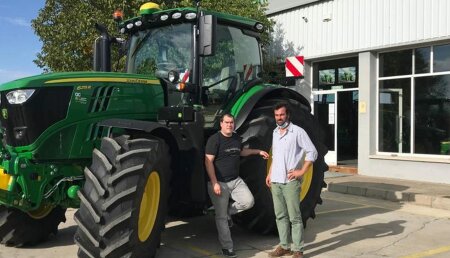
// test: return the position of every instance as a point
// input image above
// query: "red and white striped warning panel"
(294, 66)
(248, 71)
(185, 76)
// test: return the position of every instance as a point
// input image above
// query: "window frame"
(412, 78)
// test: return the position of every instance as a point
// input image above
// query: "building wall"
(336, 27)
(330, 29)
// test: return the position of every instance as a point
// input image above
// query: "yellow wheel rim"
(41, 212)
(306, 180)
(269, 162)
(149, 206)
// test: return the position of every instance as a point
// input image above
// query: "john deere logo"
(5, 113)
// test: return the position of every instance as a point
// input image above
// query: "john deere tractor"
(128, 148)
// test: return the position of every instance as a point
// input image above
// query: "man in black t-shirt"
(222, 158)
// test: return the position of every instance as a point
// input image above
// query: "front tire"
(124, 199)
(257, 134)
(18, 228)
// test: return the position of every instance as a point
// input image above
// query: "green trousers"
(286, 202)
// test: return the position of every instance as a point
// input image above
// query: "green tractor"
(128, 148)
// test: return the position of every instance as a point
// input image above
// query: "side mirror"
(207, 27)
(123, 45)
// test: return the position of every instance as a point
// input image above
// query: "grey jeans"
(243, 200)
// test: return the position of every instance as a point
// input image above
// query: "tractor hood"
(54, 79)
(37, 110)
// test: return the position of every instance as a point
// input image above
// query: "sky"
(18, 43)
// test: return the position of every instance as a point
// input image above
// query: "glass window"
(422, 60)
(394, 115)
(347, 74)
(327, 77)
(432, 115)
(161, 50)
(336, 74)
(431, 97)
(395, 63)
(236, 61)
(441, 56)
(237, 55)
(156, 51)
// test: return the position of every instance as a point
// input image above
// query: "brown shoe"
(280, 251)
(297, 254)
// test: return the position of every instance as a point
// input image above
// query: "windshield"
(161, 50)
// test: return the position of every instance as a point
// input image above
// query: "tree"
(66, 27)
(275, 53)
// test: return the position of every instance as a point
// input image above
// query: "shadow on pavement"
(333, 227)
(336, 212)
(63, 238)
(197, 237)
(351, 235)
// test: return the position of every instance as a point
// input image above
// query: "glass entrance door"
(337, 112)
(325, 111)
(335, 90)
(347, 128)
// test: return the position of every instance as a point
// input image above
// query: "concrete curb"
(438, 202)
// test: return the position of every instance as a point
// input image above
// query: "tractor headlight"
(190, 16)
(164, 17)
(176, 16)
(259, 27)
(18, 96)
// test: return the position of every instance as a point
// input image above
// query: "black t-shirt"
(227, 151)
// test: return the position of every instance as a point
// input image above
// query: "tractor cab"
(203, 59)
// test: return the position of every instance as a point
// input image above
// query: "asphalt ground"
(345, 226)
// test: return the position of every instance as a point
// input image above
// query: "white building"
(378, 74)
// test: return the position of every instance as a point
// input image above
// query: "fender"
(150, 127)
(268, 92)
(185, 141)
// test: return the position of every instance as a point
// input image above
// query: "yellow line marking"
(195, 249)
(104, 79)
(346, 209)
(202, 251)
(429, 252)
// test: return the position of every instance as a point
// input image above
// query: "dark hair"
(282, 105)
(224, 115)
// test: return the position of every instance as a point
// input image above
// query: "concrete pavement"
(345, 226)
(405, 191)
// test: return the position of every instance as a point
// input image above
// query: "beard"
(282, 123)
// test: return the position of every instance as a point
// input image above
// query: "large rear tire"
(257, 133)
(124, 199)
(18, 228)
